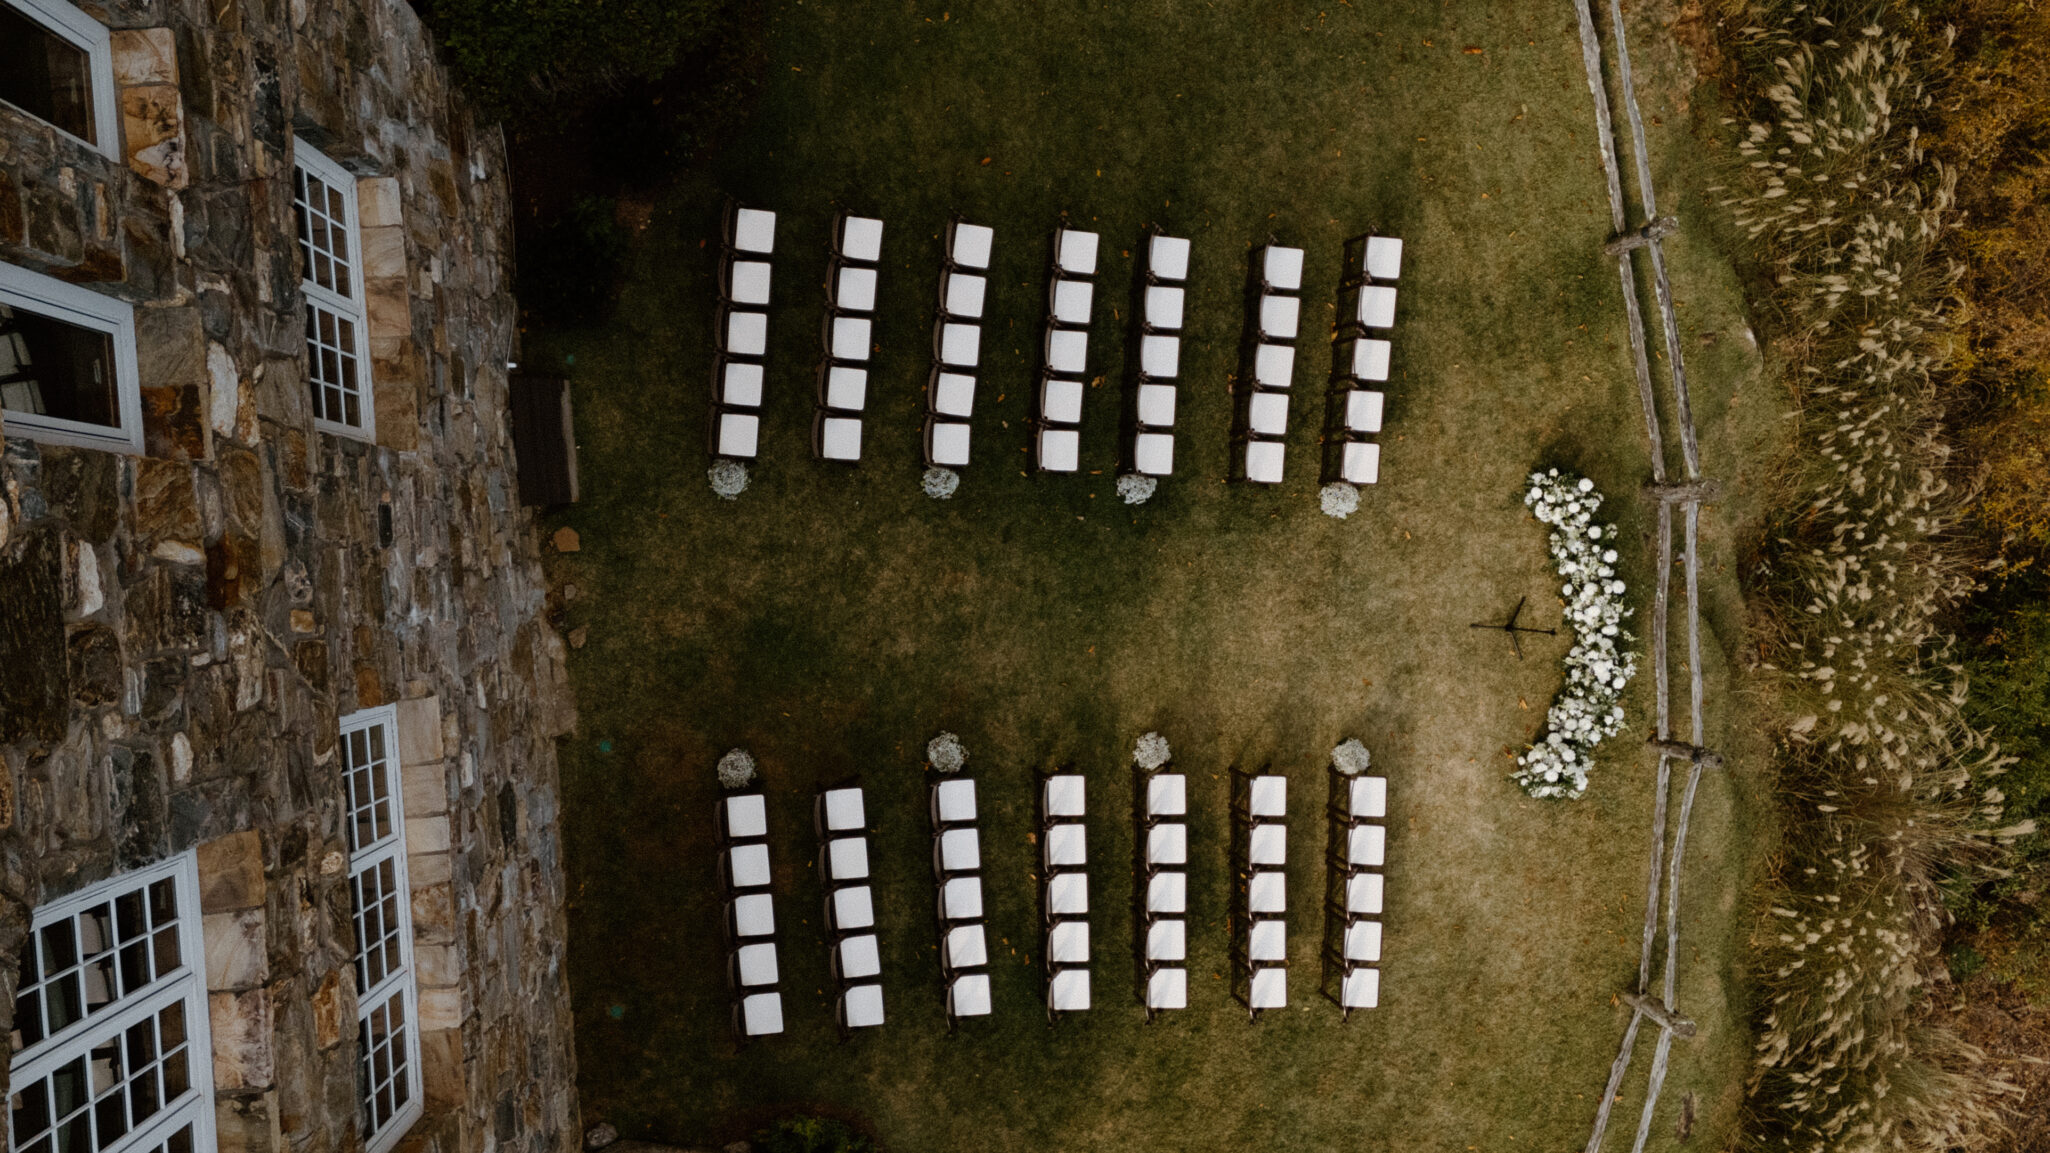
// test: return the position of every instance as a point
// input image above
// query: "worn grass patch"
(831, 620)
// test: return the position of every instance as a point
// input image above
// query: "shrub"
(516, 56)
(2008, 660)
(569, 271)
(811, 1135)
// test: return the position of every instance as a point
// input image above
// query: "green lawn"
(832, 620)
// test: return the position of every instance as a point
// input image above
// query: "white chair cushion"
(748, 866)
(1267, 892)
(844, 810)
(1268, 989)
(954, 800)
(953, 394)
(754, 915)
(1267, 942)
(1156, 405)
(1376, 306)
(1072, 300)
(966, 947)
(971, 245)
(960, 345)
(854, 290)
(1067, 943)
(1367, 797)
(1268, 845)
(1060, 400)
(1384, 257)
(846, 387)
(1065, 795)
(859, 956)
(968, 996)
(1153, 454)
(1267, 414)
(1168, 258)
(1363, 410)
(1164, 307)
(1281, 267)
(1279, 317)
(960, 850)
(1067, 895)
(1267, 796)
(1167, 843)
(853, 908)
(1366, 846)
(964, 295)
(1274, 365)
(861, 238)
(738, 432)
(1368, 359)
(1075, 252)
(757, 964)
(747, 333)
(1362, 989)
(1360, 464)
(1068, 991)
(747, 815)
(851, 337)
(1067, 350)
(949, 444)
(861, 1006)
(1060, 449)
(1263, 461)
(1167, 795)
(1160, 357)
(1168, 989)
(1167, 894)
(847, 858)
(1167, 940)
(747, 282)
(1363, 894)
(740, 384)
(1363, 941)
(754, 230)
(761, 1014)
(1067, 846)
(961, 897)
(840, 438)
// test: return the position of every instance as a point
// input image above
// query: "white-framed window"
(112, 1053)
(67, 362)
(388, 1038)
(337, 332)
(57, 65)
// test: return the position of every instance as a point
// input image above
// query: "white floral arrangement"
(1351, 758)
(1136, 489)
(729, 479)
(736, 769)
(945, 753)
(1600, 664)
(1339, 499)
(940, 483)
(1151, 752)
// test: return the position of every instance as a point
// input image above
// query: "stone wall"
(180, 630)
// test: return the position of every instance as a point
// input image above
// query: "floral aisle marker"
(945, 753)
(1339, 499)
(729, 479)
(1351, 757)
(940, 483)
(737, 769)
(1137, 489)
(1600, 663)
(1151, 752)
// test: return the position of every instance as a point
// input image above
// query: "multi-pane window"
(110, 1042)
(388, 1039)
(337, 343)
(67, 362)
(56, 64)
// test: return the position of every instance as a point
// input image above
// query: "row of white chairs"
(1064, 374)
(957, 865)
(1262, 960)
(1360, 808)
(1276, 321)
(841, 819)
(1165, 900)
(957, 344)
(1064, 865)
(743, 332)
(751, 967)
(849, 336)
(1366, 306)
(1162, 305)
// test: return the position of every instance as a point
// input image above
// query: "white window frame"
(48, 296)
(97, 42)
(354, 307)
(400, 980)
(187, 983)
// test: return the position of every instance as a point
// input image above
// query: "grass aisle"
(832, 620)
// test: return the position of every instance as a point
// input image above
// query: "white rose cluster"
(940, 483)
(1351, 757)
(1136, 489)
(946, 753)
(1601, 662)
(729, 479)
(736, 769)
(1151, 752)
(1339, 499)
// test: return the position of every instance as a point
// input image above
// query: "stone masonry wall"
(180, 630)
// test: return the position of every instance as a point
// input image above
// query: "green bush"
(520, 56)
(812, 1135)
(2007, 654)
(569, 269)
